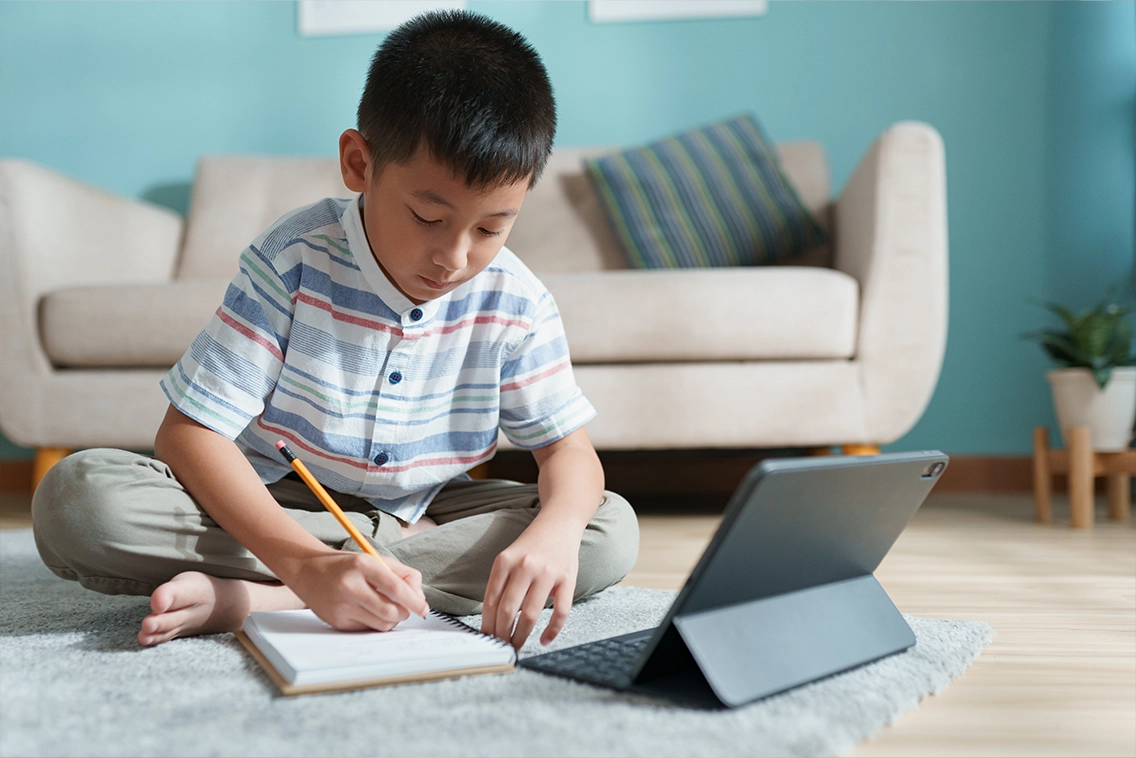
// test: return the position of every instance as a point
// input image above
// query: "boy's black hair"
(471, 90)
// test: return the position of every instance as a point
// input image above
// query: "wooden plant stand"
(1082, 465)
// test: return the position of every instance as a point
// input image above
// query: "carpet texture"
(73, 681)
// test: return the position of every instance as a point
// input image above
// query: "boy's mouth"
(435, 285)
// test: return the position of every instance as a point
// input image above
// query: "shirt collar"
(377, 278)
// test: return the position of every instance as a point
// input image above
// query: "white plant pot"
(1109, 413)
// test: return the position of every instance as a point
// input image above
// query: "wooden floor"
(1060, 677)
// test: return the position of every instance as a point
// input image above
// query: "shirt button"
(382, 458)
(395, 378)
(416, 314)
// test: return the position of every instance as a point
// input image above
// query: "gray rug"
(73, 681)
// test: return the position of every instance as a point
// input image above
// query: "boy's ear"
(354, 160)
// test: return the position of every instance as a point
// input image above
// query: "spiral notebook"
(302, 654)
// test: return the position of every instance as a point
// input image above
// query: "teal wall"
(1034, 100)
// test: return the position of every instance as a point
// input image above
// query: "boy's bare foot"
(420, 525)
(195, 603)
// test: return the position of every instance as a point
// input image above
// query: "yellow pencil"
(331, 505)
(328, 503)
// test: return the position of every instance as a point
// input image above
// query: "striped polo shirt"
(380, 398)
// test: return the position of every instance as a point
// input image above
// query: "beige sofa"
(101, 294)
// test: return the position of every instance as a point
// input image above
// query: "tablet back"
(798, 523)
(784, 593)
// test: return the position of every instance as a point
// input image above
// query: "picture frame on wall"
(319, 18)
(613, 11)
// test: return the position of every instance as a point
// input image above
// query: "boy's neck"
(371, 250)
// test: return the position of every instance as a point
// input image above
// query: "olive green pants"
(120, 523)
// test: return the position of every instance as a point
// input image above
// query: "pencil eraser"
(280, 445)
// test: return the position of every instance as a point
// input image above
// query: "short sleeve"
(225, 378)
(540, 402)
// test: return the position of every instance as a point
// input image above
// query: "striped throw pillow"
(713, 196)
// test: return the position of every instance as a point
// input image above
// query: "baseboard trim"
(987, 473)
(15, 476)
(999, 473)
(712, 474)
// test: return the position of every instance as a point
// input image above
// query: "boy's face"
(428, 231)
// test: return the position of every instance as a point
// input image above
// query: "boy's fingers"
(381, 617)
(408, 574)
(412, 600)
(412, 577)
(492, 596)
(530, 612)
(511, 600)
(395, 588)
(348, 625)
(561, 605)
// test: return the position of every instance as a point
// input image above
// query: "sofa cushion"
(724, 314)
(236, 197)
(713, 196)
(126, 326)
(769, 313)
(561, 228)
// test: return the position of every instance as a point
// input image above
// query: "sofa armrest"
(57, 232)
(891, 235)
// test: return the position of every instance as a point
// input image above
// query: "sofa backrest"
(561, 228)
(236, 197)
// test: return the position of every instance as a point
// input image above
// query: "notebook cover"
(358, 684)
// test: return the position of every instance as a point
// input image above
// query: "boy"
(385, 339)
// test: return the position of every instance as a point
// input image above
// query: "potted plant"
(1096, 386)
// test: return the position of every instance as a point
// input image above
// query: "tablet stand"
(759, 648)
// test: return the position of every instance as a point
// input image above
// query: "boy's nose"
(453, 256)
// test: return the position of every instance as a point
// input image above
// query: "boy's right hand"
(354, 592)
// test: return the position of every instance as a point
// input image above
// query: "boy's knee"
(78, 505)
(610, 546)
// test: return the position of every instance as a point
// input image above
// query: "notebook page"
(306, 650)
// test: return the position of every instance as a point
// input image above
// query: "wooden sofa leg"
(45, 458)
(857, 449)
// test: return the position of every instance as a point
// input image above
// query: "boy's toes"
(163, 627)
(158, 623)
(175, 605)
(155, 630)
(192, 603)
(151, 640)
(162, 599)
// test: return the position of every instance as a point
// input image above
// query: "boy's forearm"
(224, 484)
(570, 485)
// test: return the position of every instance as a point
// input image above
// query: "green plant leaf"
(1063, 349)
(1119, 349)
(1125, 346)
(1098, 339)
(1094, 334)
(1072, 321)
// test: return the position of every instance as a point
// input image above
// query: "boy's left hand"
(542, 562)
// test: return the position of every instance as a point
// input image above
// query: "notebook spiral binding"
(452, 621)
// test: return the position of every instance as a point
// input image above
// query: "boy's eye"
(488, 233)
(421, 220)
